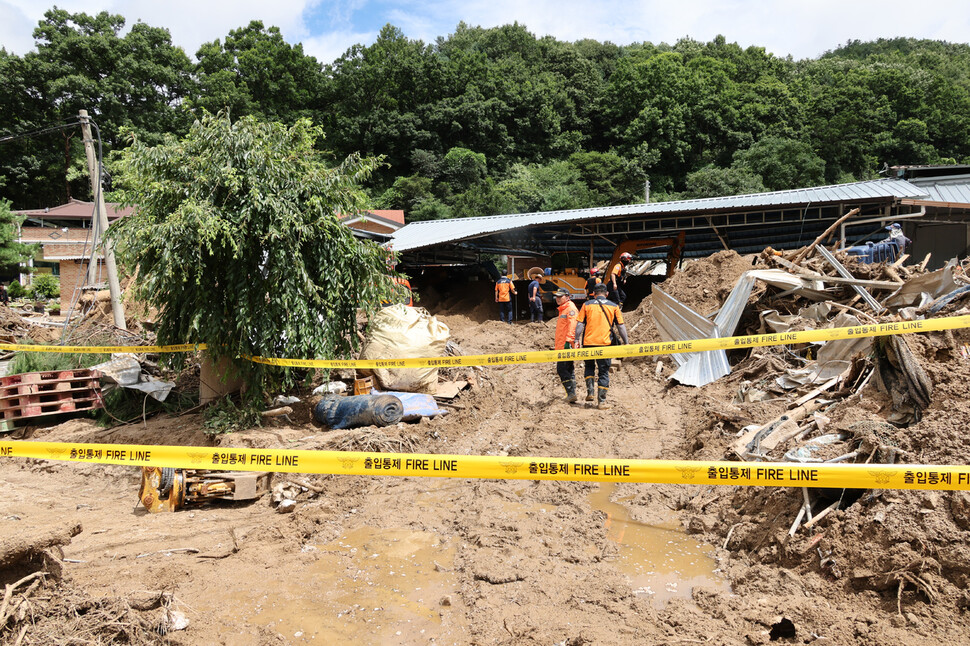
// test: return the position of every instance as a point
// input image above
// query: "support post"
(94, 170)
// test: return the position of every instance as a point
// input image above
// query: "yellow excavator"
(570, 270)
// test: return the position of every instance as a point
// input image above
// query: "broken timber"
(756, 443)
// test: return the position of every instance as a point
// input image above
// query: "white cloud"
(191, 22)
(16, 28)
(328, 47)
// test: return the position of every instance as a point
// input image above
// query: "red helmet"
(626, 256)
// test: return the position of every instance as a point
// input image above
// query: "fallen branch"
(305, 485)
(8, 593)
(822, 514)
(804, 253)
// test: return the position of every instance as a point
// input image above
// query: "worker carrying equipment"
(594, 328)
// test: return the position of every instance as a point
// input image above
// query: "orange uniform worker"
(566, 340)
(617, 280)
(504, 291)
(593, 327)
(593, 281)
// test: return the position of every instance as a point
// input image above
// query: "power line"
(37, 133)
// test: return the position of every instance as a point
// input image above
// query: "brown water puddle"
(662, 562)
(370, 586)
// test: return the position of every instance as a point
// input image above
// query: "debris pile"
(858, 400)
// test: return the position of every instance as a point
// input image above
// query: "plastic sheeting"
(125, 370)
(417, 405)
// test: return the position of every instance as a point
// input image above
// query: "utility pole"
(101, 225)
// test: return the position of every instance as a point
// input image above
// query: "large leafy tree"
(134, 81)
(254, 71)
(238, 241)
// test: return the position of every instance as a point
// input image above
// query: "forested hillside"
(487, 121)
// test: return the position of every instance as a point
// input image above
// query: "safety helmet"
(626, 256)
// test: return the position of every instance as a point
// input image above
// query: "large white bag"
(402, 332)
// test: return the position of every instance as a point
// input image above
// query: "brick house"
(64, 235)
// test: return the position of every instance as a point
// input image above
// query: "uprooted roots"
(64, 615)
(913, 575)
(373, 441)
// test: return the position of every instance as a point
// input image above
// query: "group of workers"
(592, 326)
(598, 323)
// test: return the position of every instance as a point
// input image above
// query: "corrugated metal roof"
(955, 190)
(418, 235)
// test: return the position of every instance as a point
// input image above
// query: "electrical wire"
(37, 133)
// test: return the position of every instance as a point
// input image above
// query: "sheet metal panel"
(418, 235)
(951, 191)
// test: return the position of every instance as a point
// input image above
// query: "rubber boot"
(570, 386)
(590, 389)
(603, 404)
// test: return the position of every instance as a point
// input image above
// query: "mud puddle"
(662, 562)
(370, 586)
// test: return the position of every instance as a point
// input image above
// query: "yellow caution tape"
(102, 349)
(760, 474)
(637, 349)
(547, 356)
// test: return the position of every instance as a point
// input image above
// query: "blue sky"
(802, 29)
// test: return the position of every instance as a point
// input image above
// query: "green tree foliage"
(782, 163)
(239, 245)
(132, 82)
(12, 252)
(713, 182)
(535, 109)
(256, 72)
(44, 286)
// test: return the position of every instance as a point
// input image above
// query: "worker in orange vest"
(504, 291)
(401, 293)
(566, 340)
(594, 327)
(593, 281)
(617, 281)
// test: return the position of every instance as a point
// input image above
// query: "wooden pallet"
(35, 394)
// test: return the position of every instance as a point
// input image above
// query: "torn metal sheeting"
(922, 290)
(125, 370)
(730, 313)
(834, 358)
(677, 322)
(844, 349)
(774, 321)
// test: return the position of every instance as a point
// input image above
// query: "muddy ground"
(373, 560)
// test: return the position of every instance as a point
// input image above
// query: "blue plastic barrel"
(359, 410)
(872, 252)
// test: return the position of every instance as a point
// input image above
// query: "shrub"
(44, 286)
(16, 290)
